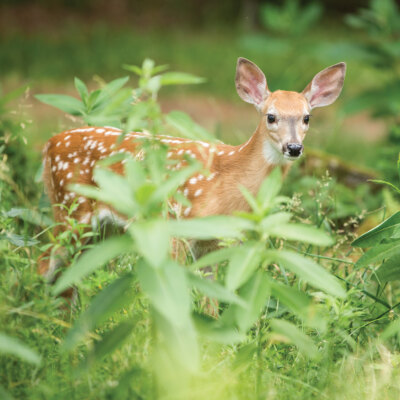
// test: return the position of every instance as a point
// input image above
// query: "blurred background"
(46, 43)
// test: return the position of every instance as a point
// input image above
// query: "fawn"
(70, 156)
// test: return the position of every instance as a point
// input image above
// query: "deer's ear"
(326, 86)
(251, 84)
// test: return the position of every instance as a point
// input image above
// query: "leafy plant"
(144, 194)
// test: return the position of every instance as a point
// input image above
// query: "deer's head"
(285, 115)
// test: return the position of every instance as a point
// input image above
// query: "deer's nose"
(294, 149)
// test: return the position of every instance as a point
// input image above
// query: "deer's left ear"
(251, 84)
(326, 86)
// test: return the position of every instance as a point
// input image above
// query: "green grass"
(352, 361)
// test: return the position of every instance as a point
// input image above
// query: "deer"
(277, 142)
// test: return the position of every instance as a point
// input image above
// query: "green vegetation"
(306, 285)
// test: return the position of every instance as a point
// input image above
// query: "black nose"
(294, 149)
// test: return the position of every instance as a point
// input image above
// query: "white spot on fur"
(100, 130)
(198, 192)
(220, 153)
(187, 211)
(62, 182)
(186, 192)
(67, 144)
(212, 176)
(69, 175)
(57, 157)
(193, 181)
(231, 153)
(76, 160)
(67, 137)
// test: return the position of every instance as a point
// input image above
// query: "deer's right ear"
(251, 84)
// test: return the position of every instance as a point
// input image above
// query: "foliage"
(295, 314)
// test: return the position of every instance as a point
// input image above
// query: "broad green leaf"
(254, 293)
(68, 104)
(31, 216)
(382, 231)
(187, 127)
(133, 68)
(180, 78)
(213, 289)
(242, 264)
(111, 341)
(93, 259)
(114, 191)
(168, 291)
(295, 336)
(176, 179)
(379, 253)
(302, 233)
(152, 240)
(392, 329)
(270, 188)
(82, 90)
(213, 227)
(299, 303)
(213, 258)
(10, 345)
(108, 91)
(389, 271)
(270, 221)
(19, 240)
(251, 200)
(111, 299)
(308, 270)
(216, 332)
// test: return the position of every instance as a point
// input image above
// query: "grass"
(352, 361)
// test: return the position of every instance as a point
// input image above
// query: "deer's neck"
(254, 160)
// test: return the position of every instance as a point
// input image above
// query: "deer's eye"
(306, 119)
(271, 118)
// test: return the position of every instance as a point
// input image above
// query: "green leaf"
(272, 220)
(111, 341)
(382, 231)
(10, 345)
(379, 253)
(213, 289)
(308, 270)
(108, 91)
(389, 271)
(152, 240)
(68, 104)
(302, 233)
(187, 127)
(133, 68)
(213, 227)
(82, 90)
(176, 179)
(392, 329)
(242, 264)
(180, 78)
(91, 260)
(395, 188)
(213, 258)
(270, 188)
(31, 216)
(216, 332)
(19, 240)
(295, 336)
(111, 299)
(299, 303)
(167, 289)
(254, 293)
